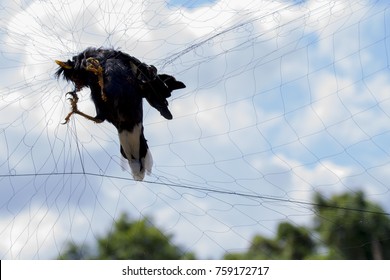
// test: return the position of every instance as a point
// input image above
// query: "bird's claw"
(93, 65)
(73, 102)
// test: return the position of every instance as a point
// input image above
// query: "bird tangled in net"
(118, 84)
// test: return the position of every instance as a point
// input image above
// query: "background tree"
(75, 252)
(128, 240)
(290, 242)
(352, 227)
(346, 226)
(295, 242)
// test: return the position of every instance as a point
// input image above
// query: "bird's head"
(65, 68)
(75, 71)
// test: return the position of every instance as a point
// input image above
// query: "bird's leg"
(73, 102)
(94, 66)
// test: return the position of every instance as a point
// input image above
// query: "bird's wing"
(155, 88)
(158, 90)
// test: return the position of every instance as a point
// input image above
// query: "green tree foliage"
(130, 240)
(352, 227)
(295, 242)
(290, 242)
(346, 226)
(75, 252)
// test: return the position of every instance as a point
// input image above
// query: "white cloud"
(30, 234)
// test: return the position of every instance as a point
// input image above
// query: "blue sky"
(190, 3)
(282, 101)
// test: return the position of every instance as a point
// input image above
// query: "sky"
(284, 100)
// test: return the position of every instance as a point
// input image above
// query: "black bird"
(118, 83)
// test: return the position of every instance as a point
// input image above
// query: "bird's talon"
(93, 65)
(73, 103)
(67, 118)
(75, 110)
(73, 93)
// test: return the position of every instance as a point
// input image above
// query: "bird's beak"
(63, 64)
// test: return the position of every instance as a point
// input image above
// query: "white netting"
(283, 100)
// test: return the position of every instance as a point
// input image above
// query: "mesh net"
(284, 100)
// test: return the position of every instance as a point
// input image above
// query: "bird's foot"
(73, 102)
(93, 65)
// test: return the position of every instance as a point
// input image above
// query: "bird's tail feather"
(135, 149)
(138, 167)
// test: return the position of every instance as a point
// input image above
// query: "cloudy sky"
(284, 100)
